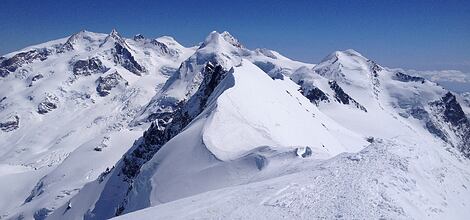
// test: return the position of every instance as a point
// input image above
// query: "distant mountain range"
(94, 126)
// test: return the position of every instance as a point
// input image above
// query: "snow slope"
(385, 180)
(222, 131)
(63, 118)
(220, 127)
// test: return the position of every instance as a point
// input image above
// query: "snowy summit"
(99, 126)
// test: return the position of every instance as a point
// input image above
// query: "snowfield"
(97, 126)
(385, 180)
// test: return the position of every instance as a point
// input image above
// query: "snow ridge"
(221, 131)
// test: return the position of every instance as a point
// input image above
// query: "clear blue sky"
(426, 34)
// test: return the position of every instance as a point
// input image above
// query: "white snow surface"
(49, 150)
(283, 118)
(260, 149)
(386, 180)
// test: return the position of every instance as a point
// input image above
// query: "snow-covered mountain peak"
(348, 66)
(138, 37)
(170, 41)
(159, 122)
(342, 55)
(114, 33)
(83, 40)
(351, 52)
(348, 58)
(113, 37)
(221, 40)
(231, 39)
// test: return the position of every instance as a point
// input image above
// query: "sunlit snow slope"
(95, 126)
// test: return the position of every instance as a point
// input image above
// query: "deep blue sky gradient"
(423, 35)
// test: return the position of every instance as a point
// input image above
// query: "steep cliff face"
(452, 118)
(114, 199)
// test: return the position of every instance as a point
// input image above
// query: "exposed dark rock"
(231, 40)
(124, 57)
(212, 74)
(370, 139)
(104, 174)
(10, 124)
(139, 37)
(42, 214)
(344, 98)
(12, 64)
(451, 112)
(267, 53)
(160, 131)
(407, 78)
(272, 70)
(303, 152)
(88, 67)
(163, 129)
(4, 72)
(69, 44)
(265, 66)
(435, 130)
(37, 190)
(166, 108)
(106, 83)
(260, 161)
(418, 113)
(307, 153)
(35, 78)
(421, 114)
(278, 73)
(48, 104)
(374, 68)
(314, 94)
(163, 48)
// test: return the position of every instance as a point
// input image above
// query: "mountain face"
(222, 131)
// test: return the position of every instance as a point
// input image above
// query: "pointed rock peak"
(114, 37)
(114, 33)
(217, 38)
(138, 37)
(230, 39)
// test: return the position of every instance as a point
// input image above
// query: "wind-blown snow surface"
(385, 180)
(234, 133)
